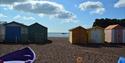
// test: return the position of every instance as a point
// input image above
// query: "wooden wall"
(2, 33)
(78, 36)
(96, 35)
(37, 33)
(114, 36)
(24, 31)
(108, 36)
(124, 36)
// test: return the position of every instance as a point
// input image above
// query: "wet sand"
(61, 51)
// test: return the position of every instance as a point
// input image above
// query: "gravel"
(61, 51)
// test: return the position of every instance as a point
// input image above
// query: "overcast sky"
(60, 15)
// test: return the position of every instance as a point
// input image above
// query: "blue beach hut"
(15, 32)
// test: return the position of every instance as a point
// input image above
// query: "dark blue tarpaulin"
(25, 55)
(121, 60)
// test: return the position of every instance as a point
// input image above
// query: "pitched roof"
(96, 27)
(2, 22)
(117, 26)
(16, 23)
(38, 24)
(79, 27)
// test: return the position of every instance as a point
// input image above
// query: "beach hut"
(16, 32)
(114, 34)
(124, 35)
(78, 35)
(2, 32)
(37, 33)
(96, 35)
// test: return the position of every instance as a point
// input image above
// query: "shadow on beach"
(27, 43)
(93, 45)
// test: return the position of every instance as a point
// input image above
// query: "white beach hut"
(114, 34)
(96, 35)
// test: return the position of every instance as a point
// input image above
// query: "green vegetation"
(106, 22)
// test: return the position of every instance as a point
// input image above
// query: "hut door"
(98, 36)
(123, 36)
(119, 36)
(13, 34)
(80, 37)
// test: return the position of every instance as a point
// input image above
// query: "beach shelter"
(2, 32)
(78, 35)
(96, 35)
(37, 33)
(15, 32)
(25, 55)
(124, 35)
(114, 34)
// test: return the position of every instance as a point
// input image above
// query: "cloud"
(40, 15)
(11, 1)
(120, 3)
(18, 17)
(44, 8)
(2, 15)
(39, 7)
(97, 6)
(29, 18)
(65, 15)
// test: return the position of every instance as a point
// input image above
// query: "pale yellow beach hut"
(114, 34)
(96, 35)
(78, 35)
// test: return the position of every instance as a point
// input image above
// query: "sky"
(60, 15)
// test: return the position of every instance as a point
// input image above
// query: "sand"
(61, 51)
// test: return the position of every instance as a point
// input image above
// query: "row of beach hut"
(110, 34)
(18, 32)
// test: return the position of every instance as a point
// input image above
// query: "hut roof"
(96, 27)
(2, 22)
(117, 26)
(79, 27)
(15, 23)
(38, 25)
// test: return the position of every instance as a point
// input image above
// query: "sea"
(57, 34)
